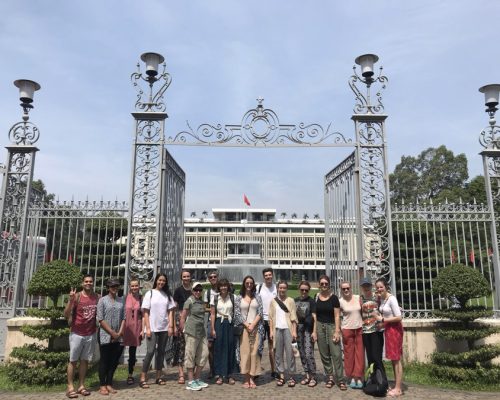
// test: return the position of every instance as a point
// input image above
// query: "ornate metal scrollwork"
(147, 98)
(260, 127)
(24, 133)
(364, 103)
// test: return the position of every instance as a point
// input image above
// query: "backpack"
(376, 385)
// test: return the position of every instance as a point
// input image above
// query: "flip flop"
(143, 385)
(181, 380)
(160, 381)
(72, 394)
(130, 380)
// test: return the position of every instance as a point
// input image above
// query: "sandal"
(103, 392)
(246, 385)
(330, 383)
(312, 382)
(83, 391)
(291, 382)
(130, 380)
(305, 381)
(72, 394)
(231, 381)
(181, 380)
(219, 380)
(280, 381)
(395, 393)
(143, 385)
(342, 386)
(160, 381)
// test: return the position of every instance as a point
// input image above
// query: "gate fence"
(91, 235)
(428, 237)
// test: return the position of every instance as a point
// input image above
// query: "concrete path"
(266, 390)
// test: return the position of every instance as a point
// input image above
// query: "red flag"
(245, 200)
(471, 256)
(70, 259)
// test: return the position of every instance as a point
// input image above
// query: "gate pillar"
(146, 187)
(15, 200)
(374, 228)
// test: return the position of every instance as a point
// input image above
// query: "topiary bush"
(36, 364)
(459, 284)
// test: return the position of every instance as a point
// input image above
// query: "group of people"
(229, 330)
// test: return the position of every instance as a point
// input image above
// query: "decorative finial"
(260, 99)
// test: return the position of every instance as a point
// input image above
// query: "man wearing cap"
(80, 311)
(373, 338)
(111, 317)
(195, 334)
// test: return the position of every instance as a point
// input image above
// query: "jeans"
(155, 346)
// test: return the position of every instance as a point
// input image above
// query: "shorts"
(196, 354)
(81, 347)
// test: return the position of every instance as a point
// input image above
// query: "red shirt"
(84, 323)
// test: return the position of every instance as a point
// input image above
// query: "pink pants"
(354, 353)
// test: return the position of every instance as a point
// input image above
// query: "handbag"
(238, 330)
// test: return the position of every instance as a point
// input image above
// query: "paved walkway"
(266, 390)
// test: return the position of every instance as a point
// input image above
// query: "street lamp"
(151, 100)
(27, 89)
(489, 139)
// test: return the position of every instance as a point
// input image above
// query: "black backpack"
(376, 385)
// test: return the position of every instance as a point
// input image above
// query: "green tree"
(427, 175)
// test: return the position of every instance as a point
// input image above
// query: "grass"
(91, 381)
(418, 373)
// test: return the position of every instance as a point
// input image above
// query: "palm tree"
(283, 215)
(316, 216)
(205, 214)
(294, 215)
(305, 216)
(193, 214)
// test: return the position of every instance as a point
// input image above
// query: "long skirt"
(224, 348)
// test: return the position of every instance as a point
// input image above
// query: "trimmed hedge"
(36, 364)
(460, 284)
(470, 359)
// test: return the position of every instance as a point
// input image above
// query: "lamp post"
(489, 138)
(373, 215)
(14, 204)
(148, 159)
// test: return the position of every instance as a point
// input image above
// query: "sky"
(223, 55)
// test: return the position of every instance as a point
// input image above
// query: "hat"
(112, 282)
(197, 284)
(365, 281)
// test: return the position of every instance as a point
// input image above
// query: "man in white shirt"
(268, 292)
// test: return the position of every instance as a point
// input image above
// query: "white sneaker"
(193, 385)
(201, 384)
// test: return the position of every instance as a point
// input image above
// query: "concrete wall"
(419, 341)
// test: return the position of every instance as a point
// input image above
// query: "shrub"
(460, 284)
(37, 364)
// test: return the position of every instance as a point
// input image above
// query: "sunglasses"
(304, 290)
(323, 284)
(197, 290)
(212, 277)
(345, 289)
